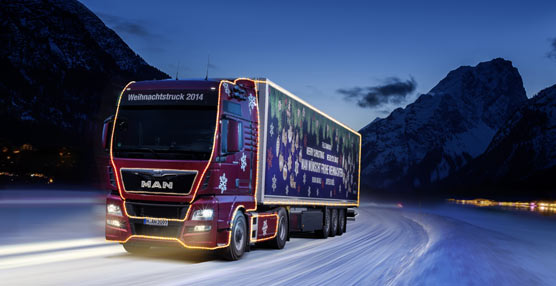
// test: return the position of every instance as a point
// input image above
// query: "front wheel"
(282, 233)
(238, 239)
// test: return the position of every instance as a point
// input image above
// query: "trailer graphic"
(224, 164)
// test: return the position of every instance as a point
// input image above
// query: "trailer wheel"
(325, 224)
(238, 239)
(282, 233)
(341, 221)
(133, 248)
(334, 222)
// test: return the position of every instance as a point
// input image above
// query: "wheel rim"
(239, 235)
(327, 220)
(335, 222)
(282, 229)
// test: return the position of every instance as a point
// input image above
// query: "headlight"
(204, 214)
(115, 223)
(201, 228)
(113, 209)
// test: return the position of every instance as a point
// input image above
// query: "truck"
(224, 164)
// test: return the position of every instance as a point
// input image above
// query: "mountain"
(521, 159)
(62, 70)
(442, 130)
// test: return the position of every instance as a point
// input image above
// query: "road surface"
(60, 242)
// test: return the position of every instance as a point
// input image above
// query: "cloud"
(552, 53)
(392, 90)
(126, 26)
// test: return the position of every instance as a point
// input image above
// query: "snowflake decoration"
(252, 102)
(273, 183)
(265, 227)
(223, 181)
(309, 191)
(226, 88)
(317, 192)
(243, 162)
(287, 189)
(296, 168)
(271, 129)
(305, 179)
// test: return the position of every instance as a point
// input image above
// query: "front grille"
(163, 182)
(156, 210)
(164, 231)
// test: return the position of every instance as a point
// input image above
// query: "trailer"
(225, 164)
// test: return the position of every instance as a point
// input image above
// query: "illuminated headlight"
(199, 228)
(204, 214)
(113, 209)
(114, 223)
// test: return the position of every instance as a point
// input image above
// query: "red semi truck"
(224, 164)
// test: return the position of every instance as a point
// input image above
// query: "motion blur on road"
(57, 238)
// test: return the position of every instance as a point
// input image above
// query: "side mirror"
(107, 131)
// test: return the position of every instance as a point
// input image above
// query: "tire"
(341, 221)
(133, 248)
(282, 234)
(325, 224)
(238, 239)
(333, 222)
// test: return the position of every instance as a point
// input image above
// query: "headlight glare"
(203, 214)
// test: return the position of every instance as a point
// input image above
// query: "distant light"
(213, 88)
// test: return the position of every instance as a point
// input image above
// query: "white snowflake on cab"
(252, 102)
(226, 88)
(223, 183)
(243, 162)
(265, 227)
(271, 129)
(273, 183)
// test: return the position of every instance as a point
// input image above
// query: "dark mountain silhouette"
(62, 70)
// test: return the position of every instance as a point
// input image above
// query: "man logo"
(157, 185)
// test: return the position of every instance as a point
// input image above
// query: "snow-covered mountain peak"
(443, 129)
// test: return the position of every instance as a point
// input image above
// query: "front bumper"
(182, 231)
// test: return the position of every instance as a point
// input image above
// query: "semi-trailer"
(222, 164)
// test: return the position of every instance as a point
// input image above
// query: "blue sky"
(315, 48)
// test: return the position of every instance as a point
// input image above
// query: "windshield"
(165, 133)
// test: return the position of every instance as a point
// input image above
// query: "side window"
(224, 136)
(231, 139)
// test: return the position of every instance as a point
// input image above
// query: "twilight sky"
(316, 48)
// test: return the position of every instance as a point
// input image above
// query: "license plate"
(157, 222)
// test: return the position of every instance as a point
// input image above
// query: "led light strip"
(275, 229)
(163, 193)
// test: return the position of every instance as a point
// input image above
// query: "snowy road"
(444, 245)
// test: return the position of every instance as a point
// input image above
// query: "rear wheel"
(341, 221)
(325, 224)
(334, 222)
(238, 239)
(136, 248)
(282, 233)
